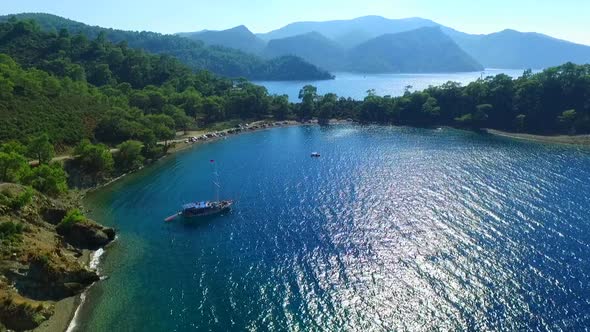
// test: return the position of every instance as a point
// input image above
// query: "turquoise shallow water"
(391, 229)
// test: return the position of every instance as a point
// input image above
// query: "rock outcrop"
(87, 235)
(41, 261)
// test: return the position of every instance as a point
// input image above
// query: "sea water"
(390, 229)
(356, 85)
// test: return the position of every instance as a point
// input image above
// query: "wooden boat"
(204, 208)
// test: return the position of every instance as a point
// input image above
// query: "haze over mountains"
(228, 62)
(369, 44)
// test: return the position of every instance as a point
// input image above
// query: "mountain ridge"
(506, 53)
(197, 55)
(424, 50)
(238, 37)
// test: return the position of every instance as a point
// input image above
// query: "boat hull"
(215, 209)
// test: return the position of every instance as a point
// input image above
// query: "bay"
(355, 85)
(392, 228)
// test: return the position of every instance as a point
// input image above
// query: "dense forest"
(113, 108)
(73, 88)
(61, 91)
(195, 54)
(554, 101)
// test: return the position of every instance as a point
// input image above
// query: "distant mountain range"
(229, 62)
(239, 38)
(370, 44)
(349, 33)
(312, 46)
(424, 50)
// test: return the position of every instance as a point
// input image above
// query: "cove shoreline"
(557, 139)
(66, 310)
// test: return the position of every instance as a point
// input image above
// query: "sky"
(565, 19)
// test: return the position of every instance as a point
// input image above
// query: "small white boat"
(315, 154)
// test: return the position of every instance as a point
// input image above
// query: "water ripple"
(391, 229)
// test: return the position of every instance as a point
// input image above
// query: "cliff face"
(41, 259)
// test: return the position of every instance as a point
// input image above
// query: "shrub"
(94, 159)
(72, 217)
(10, 232)
(48, 179)
(22, 199)
(129, 156)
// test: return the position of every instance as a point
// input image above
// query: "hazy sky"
(567, 19)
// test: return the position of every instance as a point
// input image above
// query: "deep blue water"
(356, 85)
(391, 229)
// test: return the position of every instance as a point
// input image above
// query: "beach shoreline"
(558, 139)
(180, 144)
(66, 309)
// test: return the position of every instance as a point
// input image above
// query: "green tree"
(129, 156)
(213, 109)
(74, 216)
(481, 114)
(308, 96)
(430, 109)
(41, 149)
(477, 118)
(12, 166)
(568, 120)
(13, 146)
(520, 122)
(94, 159)
(181, 120)
(50, 179)
(162, 126)
(279, 107)
(327, 108)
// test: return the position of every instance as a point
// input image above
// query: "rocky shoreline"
(83, 240)
(64, 310)
(43, 260)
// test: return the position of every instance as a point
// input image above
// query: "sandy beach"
(66, 308)
(558, 139)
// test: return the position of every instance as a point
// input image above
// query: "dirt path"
(62, 158)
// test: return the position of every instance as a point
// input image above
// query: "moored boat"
(201, 209)
(204, 208)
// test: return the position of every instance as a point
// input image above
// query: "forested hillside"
(504, 49)
(195, 54)
(554, 101)
(514, 49)
(74, 88)
(312, 47)
(425, 50)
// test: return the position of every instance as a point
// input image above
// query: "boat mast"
(215, 180)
